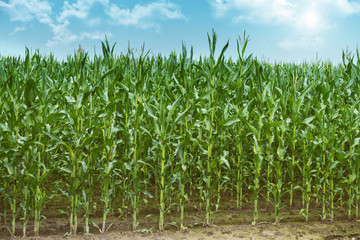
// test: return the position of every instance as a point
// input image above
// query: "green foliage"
(136, 128)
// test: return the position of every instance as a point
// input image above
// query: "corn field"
(121, 132)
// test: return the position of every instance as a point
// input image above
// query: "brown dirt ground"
(228, 223)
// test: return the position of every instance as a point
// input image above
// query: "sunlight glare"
(311, 20)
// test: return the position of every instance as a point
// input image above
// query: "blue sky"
(279, 30)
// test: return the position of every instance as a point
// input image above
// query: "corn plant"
(186, 85)
(212, 83)
(278, 168)
(124, 132)
(240, 86)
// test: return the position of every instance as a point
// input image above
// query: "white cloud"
(27, 10)
(304, 42)
(285, 11)
(345, 7)
(94, 22)
(30, 10)
(17, 29)
(220, 7)
(142, 16)
(80, 9)
(308, 18)
(72, 10)
(64, 36)
(258, 10)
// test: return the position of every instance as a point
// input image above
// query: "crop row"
(137, 126)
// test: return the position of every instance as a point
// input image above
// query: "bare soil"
(228, 223)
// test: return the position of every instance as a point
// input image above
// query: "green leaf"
(174, 178)
(230, 121)
(8, 167)
(224, 160)
(147, 193)
(70, 99)
(127, 166)
(183, 167)
(251, 127)
(333, 165)
(71, 152)
(4, 127)
(308, 120)
(102, 115)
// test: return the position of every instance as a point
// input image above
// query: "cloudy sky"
(279, 30)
